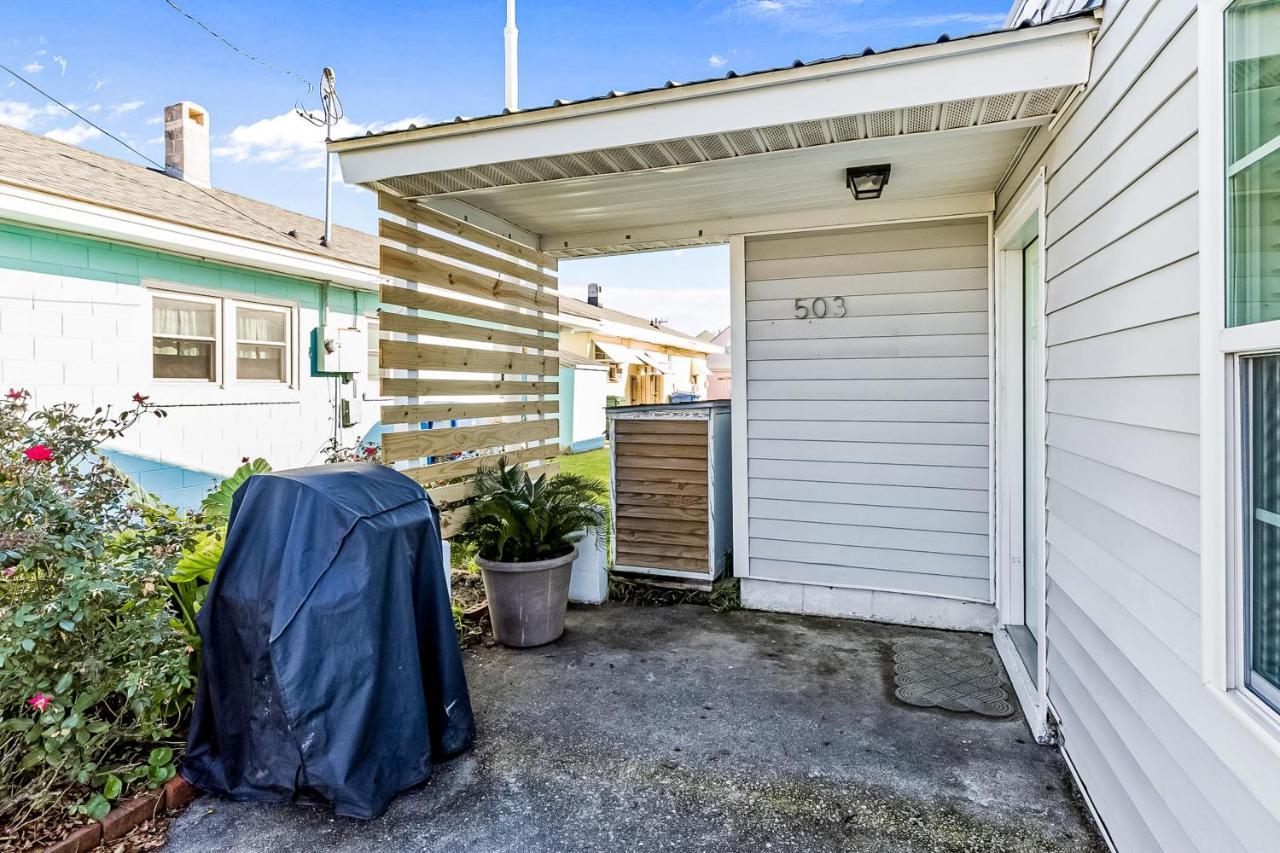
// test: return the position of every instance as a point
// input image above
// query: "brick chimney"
(593, 294)
(186, 142)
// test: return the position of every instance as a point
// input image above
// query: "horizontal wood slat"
(647, 440)
(401, 414)
(443, 222)
(453, 493)
(631, 558)
(630, 426)
(410, 356)
(664, 525)
(673, 513)
(452, 520)
(648, 498)
(658, 537)
(425, 270)
(407, 297)
(418, 443)
(410, 325)
(462, 388)
(687, 452)
(637, 479)
(457, 468)
(654, 487)
(667, 549)
(416, 239)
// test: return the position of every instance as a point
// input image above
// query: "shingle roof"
(1086, 10)
(45, 165)
(578, 308)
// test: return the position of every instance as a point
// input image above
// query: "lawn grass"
(593, 464)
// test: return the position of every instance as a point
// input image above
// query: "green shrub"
(518, 519)
(95, 674)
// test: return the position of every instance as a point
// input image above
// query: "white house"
(1007, 317)
(118, 279)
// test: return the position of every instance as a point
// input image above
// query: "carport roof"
(689, 164)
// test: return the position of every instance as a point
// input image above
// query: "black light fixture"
(867, 182)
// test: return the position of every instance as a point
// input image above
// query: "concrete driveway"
(682, 729)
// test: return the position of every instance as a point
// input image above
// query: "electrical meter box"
(341, 350)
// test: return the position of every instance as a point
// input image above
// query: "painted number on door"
(820, 307)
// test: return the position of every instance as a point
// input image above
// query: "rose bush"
(95, 673)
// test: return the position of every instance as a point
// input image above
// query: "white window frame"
(1221, 453)
(233, 330)
(226, 340)
(219, 355)
(1008, 456)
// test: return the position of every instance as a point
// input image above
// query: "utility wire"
(111, 135)
(246, 54)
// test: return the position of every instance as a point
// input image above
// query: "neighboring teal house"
(116, 279)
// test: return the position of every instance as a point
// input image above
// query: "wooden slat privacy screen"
(468, 337)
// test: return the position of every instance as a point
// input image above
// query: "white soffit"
(949, 116)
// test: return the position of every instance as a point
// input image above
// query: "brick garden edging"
(127, 816)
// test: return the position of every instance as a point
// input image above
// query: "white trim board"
(898, 608)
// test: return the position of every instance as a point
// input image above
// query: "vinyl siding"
(867, 434)
(1123, 624)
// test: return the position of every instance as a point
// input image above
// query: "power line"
(111, 135)
(246, 54)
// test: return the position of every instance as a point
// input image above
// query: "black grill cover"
(331, 668)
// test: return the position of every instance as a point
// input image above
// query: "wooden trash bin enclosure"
(672, 490)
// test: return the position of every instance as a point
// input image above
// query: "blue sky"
(421, 60)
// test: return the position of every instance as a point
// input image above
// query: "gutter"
(57, 213)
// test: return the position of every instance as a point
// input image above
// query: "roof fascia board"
(852, 214)
(652, 335)
(1003, 64)
(28, 207)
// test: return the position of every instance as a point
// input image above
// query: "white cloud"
(61, 62)
(154, 120)
(33, 67)
(291, 141)
(97, 85)
(23, 115)
(715, 60)
(120, 109)
(75, 134)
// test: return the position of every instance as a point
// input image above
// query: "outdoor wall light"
(866, 182)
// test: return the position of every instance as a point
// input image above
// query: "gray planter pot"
(527, 601)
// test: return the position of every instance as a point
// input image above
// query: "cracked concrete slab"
(679, 728)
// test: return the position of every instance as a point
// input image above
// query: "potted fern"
(525, 532)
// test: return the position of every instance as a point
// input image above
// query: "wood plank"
(463, 388)
(653, 427)
(454, 469)
(653, 460)
(398, 414)
(417, 443)
(666, 439)
(452, 493)
(429, 270)
(659, 549)
(654, 562)
(404, 355)
(642, 477)
(388, 203)
(407, 297)
(650, 499)
(667, 488)
(416, 239)
(663, 525)
(673, 513)
(660, 538)
(451, 521)
(627, 450)
(411, 325)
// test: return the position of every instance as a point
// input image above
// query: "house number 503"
(819, 307)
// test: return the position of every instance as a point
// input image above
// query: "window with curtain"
(262, 344)
(184, 340)
(210, 339)
(1252, 145)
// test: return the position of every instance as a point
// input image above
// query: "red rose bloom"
(38, 453)
(139, 398)
(14, 394)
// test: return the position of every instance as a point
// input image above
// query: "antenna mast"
(510, 36)
(332, 108)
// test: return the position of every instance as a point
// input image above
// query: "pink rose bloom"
(38, 453)
(39, 702)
